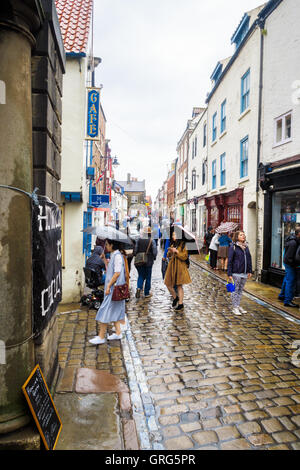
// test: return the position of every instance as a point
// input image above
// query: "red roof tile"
(75, 20)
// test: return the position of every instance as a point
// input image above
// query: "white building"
(197, 178)
(232, 132)
(181, 168)
(75, 185)
(279, 157)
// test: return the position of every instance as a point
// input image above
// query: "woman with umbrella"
(112, 310)
(177, 273)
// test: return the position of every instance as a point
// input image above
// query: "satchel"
(142, 258)
(120, 293)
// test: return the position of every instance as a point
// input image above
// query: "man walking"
(289, 260)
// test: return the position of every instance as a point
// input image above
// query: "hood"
(98, 250)
(290, 238)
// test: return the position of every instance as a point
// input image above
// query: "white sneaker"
(97, 340)
(114, 336)
(236, 311)
(242, 310)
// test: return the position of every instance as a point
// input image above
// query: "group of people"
(217, 245)
(236, 260)
(117, 273)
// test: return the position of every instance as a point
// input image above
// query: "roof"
(133, 186)
(75, 20)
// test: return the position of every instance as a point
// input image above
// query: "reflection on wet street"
(207, 379)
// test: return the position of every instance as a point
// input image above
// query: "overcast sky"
(157, 57)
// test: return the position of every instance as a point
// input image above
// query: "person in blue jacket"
(239, 269)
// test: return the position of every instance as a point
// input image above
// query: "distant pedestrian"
(224, 243)
(288, 288)
(146, 245)
(177, 271)
(239, 269)
(213, 251)
(111, 310)
(208, 238)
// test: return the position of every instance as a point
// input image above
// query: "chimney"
(128, 177)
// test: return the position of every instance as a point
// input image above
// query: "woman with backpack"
(177, 273)
(239, 269)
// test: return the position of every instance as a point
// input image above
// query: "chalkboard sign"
(42, 408)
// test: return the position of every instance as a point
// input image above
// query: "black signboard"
(42, 408)
(46, 260)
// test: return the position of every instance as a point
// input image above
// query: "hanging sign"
(100, 200)
(46, 261)
(93, 104)
(42, 408)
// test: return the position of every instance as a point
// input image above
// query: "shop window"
(285, 220)
(244, 157)
(194, 221)
(234, 214)
(283, 129)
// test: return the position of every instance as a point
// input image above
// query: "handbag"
(120, 293)
(141, 258)
(164, 266)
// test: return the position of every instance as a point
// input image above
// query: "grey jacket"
(141, 247)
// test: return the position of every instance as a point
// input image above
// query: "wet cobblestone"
(205, 378)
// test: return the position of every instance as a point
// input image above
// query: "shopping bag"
(230, 286)
(207, 258)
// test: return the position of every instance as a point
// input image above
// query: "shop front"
(227, 207)
(281, 219)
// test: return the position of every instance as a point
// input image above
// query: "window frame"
(245, 94)
(204, 134)
(223, 169)
(194, 179)
(223, 116)
(282, 118)
(214, 129)
(214, 174)
(242, 159)
(203, 173)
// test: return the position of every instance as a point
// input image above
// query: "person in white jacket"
(213, 250)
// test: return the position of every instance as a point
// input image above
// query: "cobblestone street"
(209, 379)
(201, 379)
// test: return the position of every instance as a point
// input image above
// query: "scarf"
(242, 245)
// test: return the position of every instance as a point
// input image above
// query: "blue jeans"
(145, 273)
(289, 284)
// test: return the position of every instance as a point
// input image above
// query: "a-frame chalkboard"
(42, 408)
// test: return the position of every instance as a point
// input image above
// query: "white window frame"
(283, 119)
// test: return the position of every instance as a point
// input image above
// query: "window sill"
(282, 143)
(213, 191)
(223, 133)
(222, 188)
(244, 113)
(244, 179)
(213, 143)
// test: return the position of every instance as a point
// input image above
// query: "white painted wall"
(74, 176)
(280, 92)
(238, 126)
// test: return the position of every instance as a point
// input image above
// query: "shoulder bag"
(141, 258)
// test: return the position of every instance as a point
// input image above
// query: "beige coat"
(177, 272)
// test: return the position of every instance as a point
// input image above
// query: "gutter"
(261, 25)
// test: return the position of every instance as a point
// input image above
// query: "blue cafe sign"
(92, 125)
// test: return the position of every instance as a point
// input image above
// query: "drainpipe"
(261, 25)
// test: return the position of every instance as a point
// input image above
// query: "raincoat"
(177, 272)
